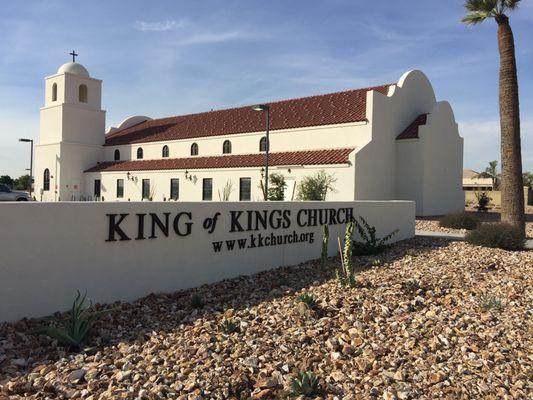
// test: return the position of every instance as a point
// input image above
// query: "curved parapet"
(129, 122)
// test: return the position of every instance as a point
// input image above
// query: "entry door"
(97, 188)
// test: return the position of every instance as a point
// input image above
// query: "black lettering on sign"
(235, 225)
(188, 225)
(114, 227)
(163, 227)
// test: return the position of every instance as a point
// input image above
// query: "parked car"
(6, 194)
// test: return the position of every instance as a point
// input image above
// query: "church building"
(389, 142)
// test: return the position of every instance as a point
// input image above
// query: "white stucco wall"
(191, 190)
(309, 138)
(49, 250)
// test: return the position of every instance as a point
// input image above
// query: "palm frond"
(474, 18)
(512, 4)
(484, 6)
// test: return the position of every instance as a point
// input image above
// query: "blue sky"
(162, 58)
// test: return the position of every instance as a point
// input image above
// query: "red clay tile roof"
(310, 157)
(334, 108)
(411, 132)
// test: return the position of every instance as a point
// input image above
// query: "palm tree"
(491, 172)
(511, 157)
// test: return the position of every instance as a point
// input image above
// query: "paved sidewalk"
(456, 236)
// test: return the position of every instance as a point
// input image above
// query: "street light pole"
(265, 108)
(31, 161)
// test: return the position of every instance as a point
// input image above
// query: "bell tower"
(72, 133)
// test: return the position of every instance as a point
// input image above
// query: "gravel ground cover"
(432, 223)
(434, 319)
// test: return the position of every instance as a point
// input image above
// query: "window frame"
(46, 180)
(97, 184)
(54, 91)
(165, 152)
(145, 185)
(141, 152)
(120, 188)
(116, 155)
(249, 189)
(195, 149)
(226, 147)
(172, 181)
(83, 93)
(263, 144)
(210, 189)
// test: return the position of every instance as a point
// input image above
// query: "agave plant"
(229, 326)
(79, 325)
(308, 299)
(306, 384)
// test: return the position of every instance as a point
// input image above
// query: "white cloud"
(160, 26)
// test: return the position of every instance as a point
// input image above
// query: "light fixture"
(31, 161)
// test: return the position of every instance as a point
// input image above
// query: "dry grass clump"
(458, 220)
(498, 235)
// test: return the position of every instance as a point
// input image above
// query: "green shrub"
(276, 187)
(412, 286)
(370, 244)
(499, 235)
(483, 201)
(316, 187)
(458, 220)
(229, 326)
(306, 384)
(79, 325)
(345, 274)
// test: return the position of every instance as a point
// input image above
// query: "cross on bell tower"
(74, 55)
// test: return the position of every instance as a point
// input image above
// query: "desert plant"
(511, 154)
(376, 262)
(276, 187)
(483, 201)
(308, 299)
(411, 252)
(306, 384)
(325, 242)
(370, 244)
(345, 274)
(197, 301)
(412, 285)
(316, 187)
(458, 220)
(229, 326)
(79, 325)
(490, 303)
(226, 191)
(500, 235)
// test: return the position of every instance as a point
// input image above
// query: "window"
(97, 188)
(226, 147)
(263, 144)
(146, 189)
(165, 152)
(117, 155)
(4, 189)
(54, 92)
(175, 189)
(46, 180)
(82, 94)
(207, 189)
(194, 149)
(120, 188)
(245, 189)
(140, 153)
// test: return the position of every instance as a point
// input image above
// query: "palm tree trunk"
(511, 154)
